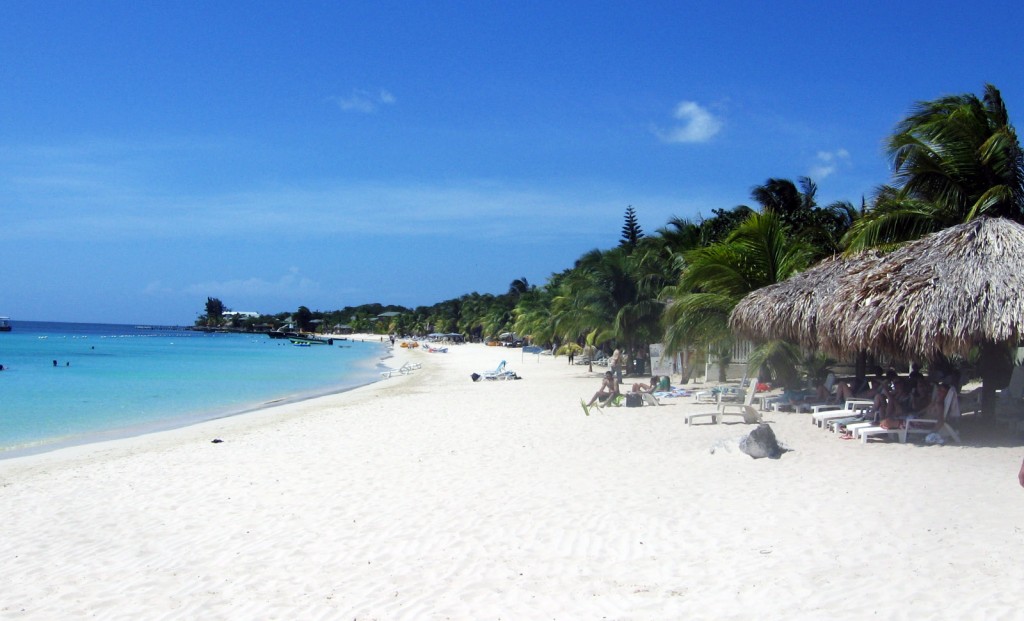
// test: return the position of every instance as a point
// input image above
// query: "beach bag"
(634, 400)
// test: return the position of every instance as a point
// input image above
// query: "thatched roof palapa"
(945, 292)
(792, 310)
(942, 293)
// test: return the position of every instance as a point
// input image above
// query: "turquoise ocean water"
(118, 380)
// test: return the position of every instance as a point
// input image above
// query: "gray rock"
(761, 443)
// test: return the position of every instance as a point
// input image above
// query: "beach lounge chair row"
(919, 426)
(855, 419)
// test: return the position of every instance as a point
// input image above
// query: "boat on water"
(307, 340)
(5, 324)
(300, 338)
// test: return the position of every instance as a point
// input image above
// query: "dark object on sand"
(761, 443)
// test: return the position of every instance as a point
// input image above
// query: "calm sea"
(117, 380)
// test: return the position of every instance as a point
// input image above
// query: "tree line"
(953, 159)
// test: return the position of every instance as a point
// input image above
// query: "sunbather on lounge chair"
(907, 397)
(647, 387)
(608, 391)
(937, 408)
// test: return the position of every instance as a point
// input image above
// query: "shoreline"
(257, 414)
(430, 496)
(187, 419)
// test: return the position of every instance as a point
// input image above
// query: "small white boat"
(298, 340)
(5, 324)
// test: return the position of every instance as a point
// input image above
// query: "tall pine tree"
(631, 231)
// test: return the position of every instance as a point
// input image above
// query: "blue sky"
(328, 154)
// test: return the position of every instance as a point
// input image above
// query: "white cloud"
(365, 101)
(828, 162)
(698, 125)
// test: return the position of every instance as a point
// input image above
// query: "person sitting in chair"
(648, 387)
(866, 389)
(608, 391)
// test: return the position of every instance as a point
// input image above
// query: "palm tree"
(724, 222)
(822, 227)
(610, 296)
(761, 251)
(533, 315)
(518, 287)
(472, 310)
(679, 235)
(954, 159)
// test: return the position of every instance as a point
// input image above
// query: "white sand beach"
(427, 496)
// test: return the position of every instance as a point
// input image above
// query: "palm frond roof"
(945, 292)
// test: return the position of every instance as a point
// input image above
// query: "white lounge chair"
(736, 394)
(746, 410)
(405, 369)
(705, 396)
(852, 408)
(713, 415)
(692, 417)
(500, 373)
(874, 431)
(749, 413)
(723, 392)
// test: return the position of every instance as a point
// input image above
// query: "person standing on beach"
(615, 364)
(1020, 475)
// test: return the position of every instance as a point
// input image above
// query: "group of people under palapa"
(894, 398)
